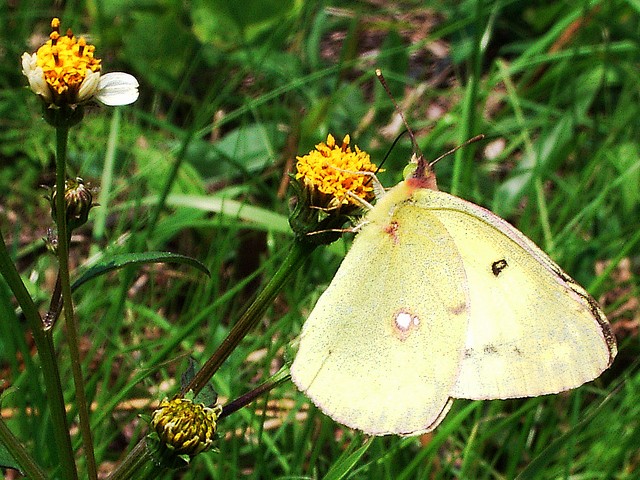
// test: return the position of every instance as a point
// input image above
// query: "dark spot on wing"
(593, 307)
(498, 266)
(490, 349)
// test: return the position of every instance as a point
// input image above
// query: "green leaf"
(242, 151)
(542, 158)
(208, 394)
(266, 219)
(125, 259)
(347, 460)
(226, 24)
(536, 468)
(6, 460)
(625, 158)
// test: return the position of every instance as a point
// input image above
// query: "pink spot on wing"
(458, 309)
(391, 229)
(404, 324)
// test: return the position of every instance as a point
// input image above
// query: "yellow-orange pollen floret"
(65, 60)
(335, 170)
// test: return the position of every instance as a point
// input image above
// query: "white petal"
(35, 75)
(39, 85)
(89, 86)
(29, 62)
(117, 88)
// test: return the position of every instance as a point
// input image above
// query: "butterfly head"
(419, 173)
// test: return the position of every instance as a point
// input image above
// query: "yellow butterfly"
(438, 298)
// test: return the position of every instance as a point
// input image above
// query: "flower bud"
(79, 201)
(184, 427)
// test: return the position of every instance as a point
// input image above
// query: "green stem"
(20, 454)
(296, 256)
(298, 253)
(55, 307)
(244, 400)
(71, 327)
(48, 360)
(138, 464)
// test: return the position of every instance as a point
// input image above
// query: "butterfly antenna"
(455, 149)
(385, 158)
(383, 82)
(389, 150)
(422, 165)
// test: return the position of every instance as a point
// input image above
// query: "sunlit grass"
(565, 170)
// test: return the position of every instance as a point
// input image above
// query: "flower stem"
(48, 361)
(51, 317)
(138, 464)
(298, 253)
(71, 327)
(244, 400)
(300, 250)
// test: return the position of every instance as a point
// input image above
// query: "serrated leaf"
(126, 259)
(208, 395)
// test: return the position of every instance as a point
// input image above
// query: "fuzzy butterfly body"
(438, 299)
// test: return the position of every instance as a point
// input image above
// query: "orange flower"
(335, 175)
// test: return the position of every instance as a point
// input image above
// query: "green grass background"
(231, 93)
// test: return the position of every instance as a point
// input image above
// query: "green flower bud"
(184, 427)
(78, 199)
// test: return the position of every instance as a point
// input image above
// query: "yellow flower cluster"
(65, 60)
(65, 72)
(67, 67)
(335, 170)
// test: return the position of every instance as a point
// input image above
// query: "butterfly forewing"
(532, 329)
(381, 350)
